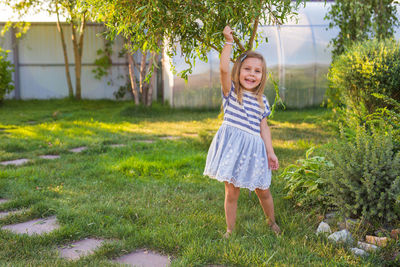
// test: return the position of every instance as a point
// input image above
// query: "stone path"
(80, 248)
(16, 162)
(144, 258)
(38, 226)
(49, 156)
(117, 145)
(146, 141)
(4, 214)
(3, 200)
(78, 149)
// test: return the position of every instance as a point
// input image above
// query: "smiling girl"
(241, 154)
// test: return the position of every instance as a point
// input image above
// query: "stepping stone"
(191, 134)
(49, 156)
(78, 149)
(146, 141)
(2, 200)
(117, 145)
(31, 122)
(170, 137)
(144, 258)
(80, 248)
(4, 214)
(39, 226)
(16, 162)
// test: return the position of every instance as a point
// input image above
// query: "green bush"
(365, 178)
(304, 184)
(6, 70)
(368, 67)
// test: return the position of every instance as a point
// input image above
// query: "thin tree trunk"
(78, 47)
(132, 78)
(253, 35)
(66, 62)
(143, 87)
(153, 60)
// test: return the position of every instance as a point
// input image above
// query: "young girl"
(241, 153)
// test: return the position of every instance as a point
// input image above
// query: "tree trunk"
(143, 87)
(66, 62)
(153, 60)
(132, 78)
(78, 49)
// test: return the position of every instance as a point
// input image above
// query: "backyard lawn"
(149, 193)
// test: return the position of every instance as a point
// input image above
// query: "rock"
(366, 246)
(351, 224)
(343, 236)
(359, 252)
(323, 228)
(330, 215)
(144, 258)
(379, 241)
(395, 233)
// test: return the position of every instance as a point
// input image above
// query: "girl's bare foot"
(227, 234)
(275, 228)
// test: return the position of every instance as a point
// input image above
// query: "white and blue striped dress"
(237, 153)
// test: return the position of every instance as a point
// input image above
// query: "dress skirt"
(238, 157)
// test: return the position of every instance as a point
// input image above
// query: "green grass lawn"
(148, 195)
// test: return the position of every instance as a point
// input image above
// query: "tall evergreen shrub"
(6, 70)
(367, 67)
(365, 179)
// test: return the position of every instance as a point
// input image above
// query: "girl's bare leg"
(267, 204)
(231, 198)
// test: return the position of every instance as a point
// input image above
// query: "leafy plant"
(364, 69)
(6, 70)
(304, 184)
(365, 178)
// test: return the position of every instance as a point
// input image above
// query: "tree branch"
(237, 41)
(253, 35)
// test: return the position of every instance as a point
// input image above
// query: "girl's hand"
(228, 34)
(273, 163)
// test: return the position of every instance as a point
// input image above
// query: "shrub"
(368, 67)
(304, 184)
(6, 70)
(365, 178)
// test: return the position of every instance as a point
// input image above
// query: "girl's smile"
(250, 73)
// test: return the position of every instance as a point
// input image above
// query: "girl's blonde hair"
(236, 74)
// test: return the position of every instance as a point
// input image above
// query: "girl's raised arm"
(225, 60)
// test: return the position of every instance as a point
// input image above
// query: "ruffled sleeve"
(267, 109)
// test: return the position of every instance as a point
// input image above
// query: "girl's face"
(250, 73)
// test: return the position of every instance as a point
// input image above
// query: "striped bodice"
(247, 116)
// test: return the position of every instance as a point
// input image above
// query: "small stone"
(49, 156)
(146, 141)
(78, 149)
(359, 252)
(144, 258)
(80, 248)
(117, 145)
(395, 233)
(323, 228)
(330, 215)
(379, 241)
(39, 226)
(5, 214)
(351, 224)
(2, 200)
(366, 246)
(343, 236)
(16, 162)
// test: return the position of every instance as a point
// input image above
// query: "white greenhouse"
(297, 55)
